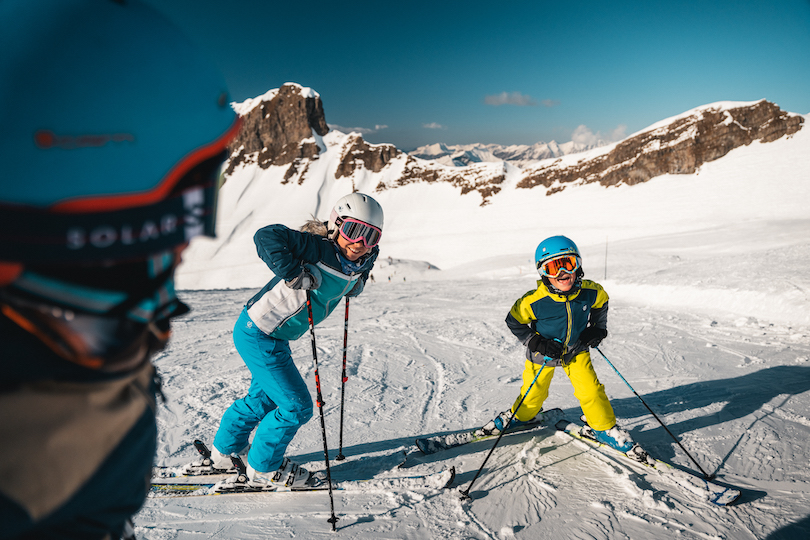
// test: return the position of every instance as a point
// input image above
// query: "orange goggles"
(554, 267)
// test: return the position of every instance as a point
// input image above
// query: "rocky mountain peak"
(278, 128)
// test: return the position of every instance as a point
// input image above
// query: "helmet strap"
(573, 290)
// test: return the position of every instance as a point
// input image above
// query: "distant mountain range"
(516, 154)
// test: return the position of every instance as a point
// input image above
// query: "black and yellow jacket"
(554, 316)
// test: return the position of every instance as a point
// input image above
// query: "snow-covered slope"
(433, 222)
(434, 356)
(709, 323)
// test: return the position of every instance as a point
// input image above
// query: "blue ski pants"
(277, 404)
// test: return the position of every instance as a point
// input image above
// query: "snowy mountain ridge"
(287, 166)
(282, 128)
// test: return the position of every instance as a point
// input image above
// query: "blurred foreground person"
(114, 127)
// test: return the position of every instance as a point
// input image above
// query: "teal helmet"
(114, 126)
(113, 129)
(553, 247)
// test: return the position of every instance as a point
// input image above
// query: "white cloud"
(433, 125)
(583, 135)
(510, 98)
(619, 133)
(360, 130)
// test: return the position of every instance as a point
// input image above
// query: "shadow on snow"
(742, 396)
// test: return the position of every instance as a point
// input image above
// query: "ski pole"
(705, 474)
(466, 493)
(340, 456)
(333, 520)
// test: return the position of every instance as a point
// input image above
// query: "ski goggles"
(553, 268)
(97, 229)
(355, 230)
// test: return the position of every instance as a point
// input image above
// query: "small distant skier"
(331, 260)
(562, 319)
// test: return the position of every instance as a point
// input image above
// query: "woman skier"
(329, 260)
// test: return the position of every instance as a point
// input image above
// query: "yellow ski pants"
(587, 389)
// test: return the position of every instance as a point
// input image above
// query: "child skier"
(331, 260)
(560, 320)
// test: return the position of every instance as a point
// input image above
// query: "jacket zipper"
(569, 324)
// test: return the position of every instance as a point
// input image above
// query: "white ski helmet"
(357, 206)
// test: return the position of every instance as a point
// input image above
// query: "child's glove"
(547, 347)
(307, 280)
(592, 336)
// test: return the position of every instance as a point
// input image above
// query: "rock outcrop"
(486, 180)
(679, 147)
(278, 130)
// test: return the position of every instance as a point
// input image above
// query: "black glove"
(592, 336)
(306, 280)
(552, 348)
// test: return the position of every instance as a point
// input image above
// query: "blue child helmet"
(554, 246)
(114, 126)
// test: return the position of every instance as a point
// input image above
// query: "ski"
(431, 445)
(712, 492)
(435, 481)
(204, 467)
(189, 472)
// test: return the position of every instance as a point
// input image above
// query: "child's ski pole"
(705, 474)
(466, 493)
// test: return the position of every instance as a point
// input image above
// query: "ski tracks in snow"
(432, 357)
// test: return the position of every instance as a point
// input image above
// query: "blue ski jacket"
(280, 312)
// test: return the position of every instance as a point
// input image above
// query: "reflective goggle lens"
(554, 267)
(354, 230)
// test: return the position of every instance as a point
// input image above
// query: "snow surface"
(709, 323)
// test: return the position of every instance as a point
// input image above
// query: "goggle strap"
(37, 236)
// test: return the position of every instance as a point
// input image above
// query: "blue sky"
(416, 73)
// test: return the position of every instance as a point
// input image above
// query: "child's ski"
(431, 445)
(712, 492)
